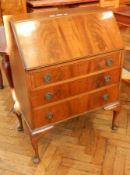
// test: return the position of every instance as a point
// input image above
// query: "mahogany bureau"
(64, 64)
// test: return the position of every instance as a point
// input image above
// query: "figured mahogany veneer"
(64, 64)
(71, 88)
(74, 106)
(70, 70)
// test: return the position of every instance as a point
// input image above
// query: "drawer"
(62, 72)
(74, 106)
(72, 88)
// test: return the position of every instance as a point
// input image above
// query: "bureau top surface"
(64, 36)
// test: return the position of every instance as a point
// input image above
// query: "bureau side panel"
(20, 77)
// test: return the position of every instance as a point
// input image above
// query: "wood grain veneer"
(64, 38)
(74, 69)
(71, 87)
(75, 106)
(64, 64)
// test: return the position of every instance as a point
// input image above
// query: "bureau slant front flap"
(63, 37)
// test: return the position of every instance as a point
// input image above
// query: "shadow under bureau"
(64, 64)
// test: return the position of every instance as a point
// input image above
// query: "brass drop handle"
(48, 96)
(107, 78)
(47, 78)
(50, 115)
(109, 62)
(105, 97)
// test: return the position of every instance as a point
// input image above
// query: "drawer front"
(62, 72)
(72, 88)
(75, 106)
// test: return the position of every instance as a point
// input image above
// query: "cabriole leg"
(115, 107)
(7, 70)
(1, 81)
(115, 116)
(36, 157)
(19, 117)
(35, 139)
